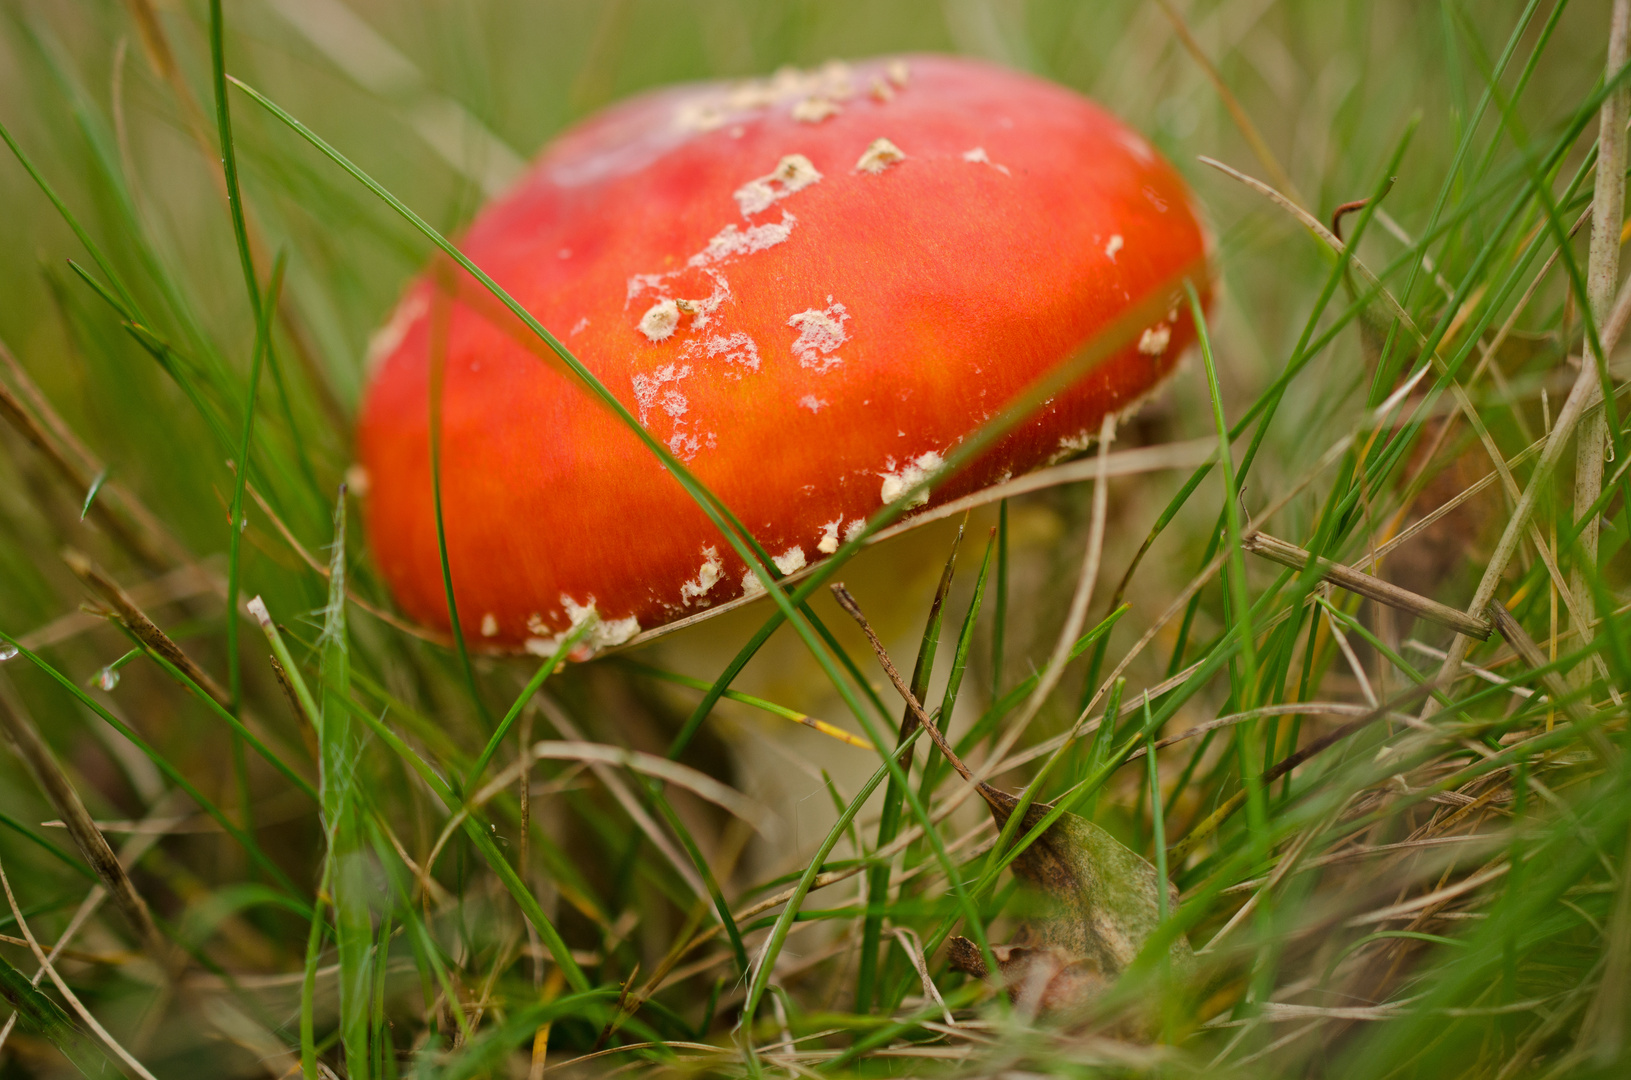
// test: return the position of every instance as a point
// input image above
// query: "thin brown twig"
(145, 629)
(847, 602)
(31, 746)
(1383, 592)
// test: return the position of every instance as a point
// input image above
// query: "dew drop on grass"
(106, 679)
(7, 651)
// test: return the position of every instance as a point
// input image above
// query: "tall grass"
(1399, 850)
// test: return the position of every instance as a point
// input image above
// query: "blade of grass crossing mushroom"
(728, 527)
(440, 315)
(717, 513)
(1121, 330)
(877, 880)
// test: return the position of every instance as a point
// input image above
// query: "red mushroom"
(811, 288)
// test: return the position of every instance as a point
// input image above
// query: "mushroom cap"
(811, 288)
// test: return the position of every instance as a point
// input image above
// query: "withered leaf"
(1094, 906)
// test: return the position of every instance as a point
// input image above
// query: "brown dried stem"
(847, 602)
(145, 630)
(1602, 272)
(31, 746)
(1383, 592)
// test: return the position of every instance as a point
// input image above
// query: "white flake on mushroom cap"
(1116, 244)
(713, 108)
(489, 625)
(979, 157)
(731, 241)
(829, 536)
(792, 173)
(811, 402)
(790, 561)
(660, 320)
(707, 576)
(879, 156)
(1155, 340)
(820, 335)
(603, 635)
(813, 110)
(648, 390)
(736, 348)
(897, 482)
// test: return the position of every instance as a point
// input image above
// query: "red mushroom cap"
(811, 288)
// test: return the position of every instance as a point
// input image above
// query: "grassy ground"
(318, 855)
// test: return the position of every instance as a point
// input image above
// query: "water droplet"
(7, 651)
(106, 679)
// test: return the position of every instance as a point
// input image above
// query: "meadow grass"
(256, 823)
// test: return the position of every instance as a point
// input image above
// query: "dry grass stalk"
(145, 629)
(1383, 592)
(1602, 273)
(31, 746)
(62, 987)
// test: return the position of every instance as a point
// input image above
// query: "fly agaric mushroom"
(810, 288)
